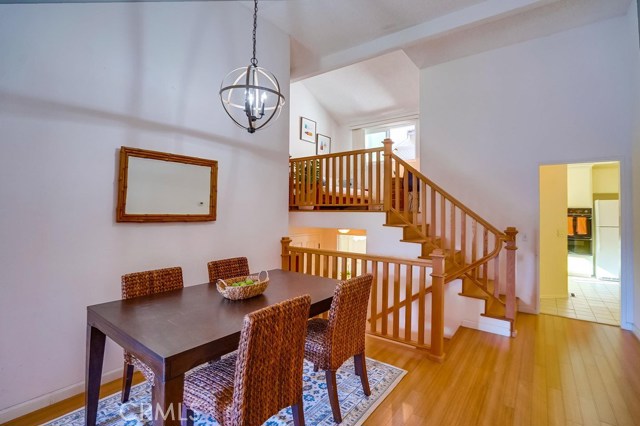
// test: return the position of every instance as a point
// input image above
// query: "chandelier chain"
(254, 61)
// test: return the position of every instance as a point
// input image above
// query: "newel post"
(286, 255)
(511, 272)
(387, 173)
(437, 305)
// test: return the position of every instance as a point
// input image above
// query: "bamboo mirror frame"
(161, 187)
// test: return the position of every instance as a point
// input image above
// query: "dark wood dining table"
(176, 331)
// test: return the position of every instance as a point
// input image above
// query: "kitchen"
(580, 251)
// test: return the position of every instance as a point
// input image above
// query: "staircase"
(454, 241)
(431, 217)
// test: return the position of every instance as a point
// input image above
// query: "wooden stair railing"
(352, 180)
(469, 248)
(402, 298)
(472, 247)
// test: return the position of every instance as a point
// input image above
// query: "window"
(403, 136)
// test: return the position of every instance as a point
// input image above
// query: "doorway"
(580, 264)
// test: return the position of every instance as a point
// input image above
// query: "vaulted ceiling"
(330, 34)
(360, 58)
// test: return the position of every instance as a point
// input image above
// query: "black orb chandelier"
(251, 95)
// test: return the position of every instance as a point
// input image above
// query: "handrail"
(351, 179)
(449, 197)
(448, 230)
(337, 154)
(364, 256)
(401, 299)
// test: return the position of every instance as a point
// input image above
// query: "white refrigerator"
(607, 230)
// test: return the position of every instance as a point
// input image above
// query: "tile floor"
(595, 300)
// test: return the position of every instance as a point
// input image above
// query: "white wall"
(489, 120)
(77, 81)
(304, 104)
(632, 27)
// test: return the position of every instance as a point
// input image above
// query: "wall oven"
(579, 232)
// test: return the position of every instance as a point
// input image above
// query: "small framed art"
(323, 145)
(307, 130)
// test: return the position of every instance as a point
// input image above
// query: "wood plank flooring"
(558, 371)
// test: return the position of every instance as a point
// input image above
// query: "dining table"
(175, 331)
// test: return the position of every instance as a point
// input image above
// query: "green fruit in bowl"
(249, 281)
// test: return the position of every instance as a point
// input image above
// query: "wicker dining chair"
(331, 342)
(143, 284)
(228, 268)
(262, 377)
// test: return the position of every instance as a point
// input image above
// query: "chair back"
(268, 375)
(151, 282)
(227, 268)
(348, 319)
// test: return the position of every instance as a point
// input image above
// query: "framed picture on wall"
(307, 130)
(323, 145)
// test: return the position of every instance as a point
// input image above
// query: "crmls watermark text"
(142, 411)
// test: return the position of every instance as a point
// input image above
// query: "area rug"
(355, 406)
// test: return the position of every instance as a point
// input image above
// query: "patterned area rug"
(356, 407)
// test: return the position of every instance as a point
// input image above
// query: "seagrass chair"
(262, 377)
(227, 268)
(331, 342)
(143, 284)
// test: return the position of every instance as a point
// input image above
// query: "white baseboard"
(635, 330)
(526, 309)
(34, 404)
(490, 326)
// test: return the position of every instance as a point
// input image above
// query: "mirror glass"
(161, 187)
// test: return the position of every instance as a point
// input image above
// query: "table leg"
(93, 373)
(166, 401)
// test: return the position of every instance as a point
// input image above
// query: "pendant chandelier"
(251, 95)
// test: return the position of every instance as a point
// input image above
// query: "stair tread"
(415, 240)
(498, 317)
(447, 253)
(396, 225)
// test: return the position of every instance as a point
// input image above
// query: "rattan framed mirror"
(161, 187)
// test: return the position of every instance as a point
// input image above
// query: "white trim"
(51, 398)
(386, 122)
(526, 309)
(489, 328)
(635, 330)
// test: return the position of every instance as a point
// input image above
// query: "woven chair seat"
(210, 389)
(315, 347)
(144, 368)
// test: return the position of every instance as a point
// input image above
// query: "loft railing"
(350, 179)
(406, 303)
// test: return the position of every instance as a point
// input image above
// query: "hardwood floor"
(558, 371)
